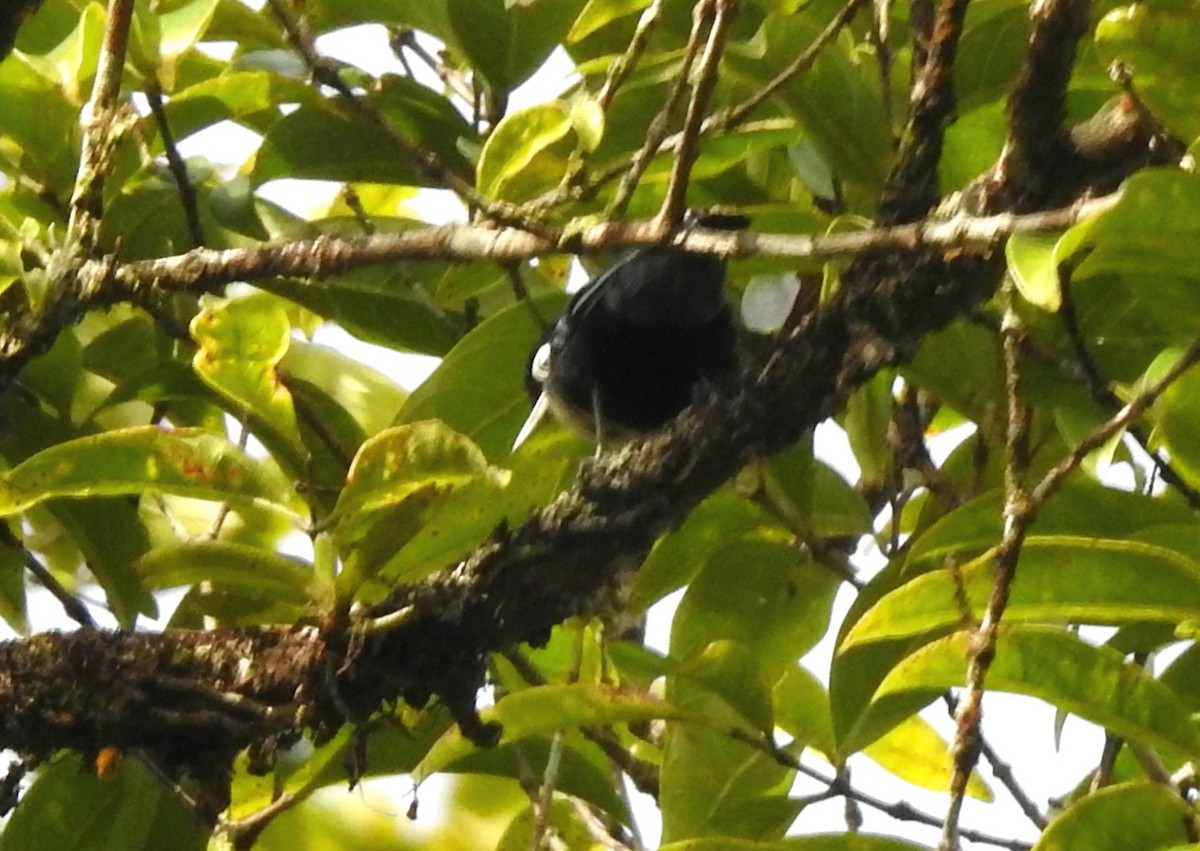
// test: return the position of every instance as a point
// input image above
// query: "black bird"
(627, 353)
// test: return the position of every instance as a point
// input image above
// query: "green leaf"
(802, 710)
(367, 395)
(1176, 412)
(915, 752)
(835, 93)
(479, 388)
(679, 556)
(1126, 817)
(181, 24)
(72, 63)
(867, 421)
(381, 304)
(994, 40)
(562, 817)
(12, 588)
(1150, 236)
(600, 13)
(1059, 577)
(1159, 42)
(398, 477)
(329, 141)
(245, 96)
(819, 842)
(1093, 682)
(527, 153)
(450, 527)
(974, 141)
(241, 342)
(733, 671)
(1032, 265)
(399, 462)
(584, 771)
(234, 21)
(127, 810)
(543, 710)
(812, 497)
(505, 41)
(713, 784)
(186, 462)
(42, 124)
(1082, 507)
(228, 566)
(763, 594)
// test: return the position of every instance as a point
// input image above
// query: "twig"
(1021, 506)
(658, 127)
(718, 122)
(98, 121)
(1018, 514)
(403, 38)
(899, 810)
(73, 607)
(1003, 772)
(104, 282)
(627, 61)
(242, 833)
(597, 829)
(1101, 391)
(675, 199)
(642, 774)
(907, 438)
(71, 604)
(1094, 440)
(183, 184)
(330, 255)
(736, 115)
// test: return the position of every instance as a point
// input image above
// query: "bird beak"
(540, 408)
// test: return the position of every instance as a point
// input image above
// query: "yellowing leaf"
(185, 462)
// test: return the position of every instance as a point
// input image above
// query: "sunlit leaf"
(915, 752)
(599, 13)
(1032, 265)
(1093, 682)
(822, 842)
(527, 153)
(1059, 577)
(545, 710)
(400, 461)
(1127, 817)
(1150, 235)
(241, 344)
(186, 462)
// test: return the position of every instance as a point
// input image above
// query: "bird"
(627, 353)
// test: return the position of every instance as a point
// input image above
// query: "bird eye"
(540, 368)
